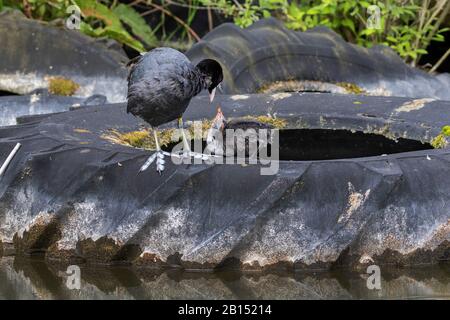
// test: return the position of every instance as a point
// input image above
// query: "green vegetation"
(108, 19)
(102, 21)
(441, 140)
(407, 26)
(446, 131)
(139, 139)
(351, 87)
(144, 138)
(275, 122)
(62, 86)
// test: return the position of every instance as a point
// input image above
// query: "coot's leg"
(187, 149)
(158, 155)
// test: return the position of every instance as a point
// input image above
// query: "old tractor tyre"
(365, 186)
(30, 58)
(266, 56)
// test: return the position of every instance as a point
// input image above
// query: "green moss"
(351, 87)
(279, 86)
(275, 122)
(62, 87)
(296, 85)
(440, 141)
(139, 139)
(144, 138)
(446, 131)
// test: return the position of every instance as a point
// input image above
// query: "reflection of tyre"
(256, 58)
(334, 200)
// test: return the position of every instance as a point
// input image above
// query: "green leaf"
(266, 14)
(113, 29)
(91, 8)
(349, 24)
(367, 32)
(87, 29)
(412, 54)
(438, 37)
(314, 10)
(137, 24)
(422, 51)
(392, 39)
(120, 36)
(446, 131)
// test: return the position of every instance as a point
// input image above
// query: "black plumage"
(162, 82)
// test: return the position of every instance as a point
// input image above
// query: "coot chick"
(218, 143)
(161, 83)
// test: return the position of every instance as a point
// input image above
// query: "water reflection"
(35, 279)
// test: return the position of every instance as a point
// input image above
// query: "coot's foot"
(159, 157)
(196, 155)
(187, 153)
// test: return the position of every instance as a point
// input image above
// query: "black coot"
(161, 84)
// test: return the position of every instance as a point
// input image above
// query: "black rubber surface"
(72, 191)
(266, 52)
(20, 109)
(33, 51)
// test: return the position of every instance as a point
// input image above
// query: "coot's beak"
(212, 93)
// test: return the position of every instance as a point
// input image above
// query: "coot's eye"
(212, 69)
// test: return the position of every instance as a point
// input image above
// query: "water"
(35, 279)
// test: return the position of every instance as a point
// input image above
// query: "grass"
(440, 141)
(351, 88)
(144, 139)
(300, 86)
(62, 87)
(275, 122)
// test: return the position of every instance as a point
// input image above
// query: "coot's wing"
(161, 84)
